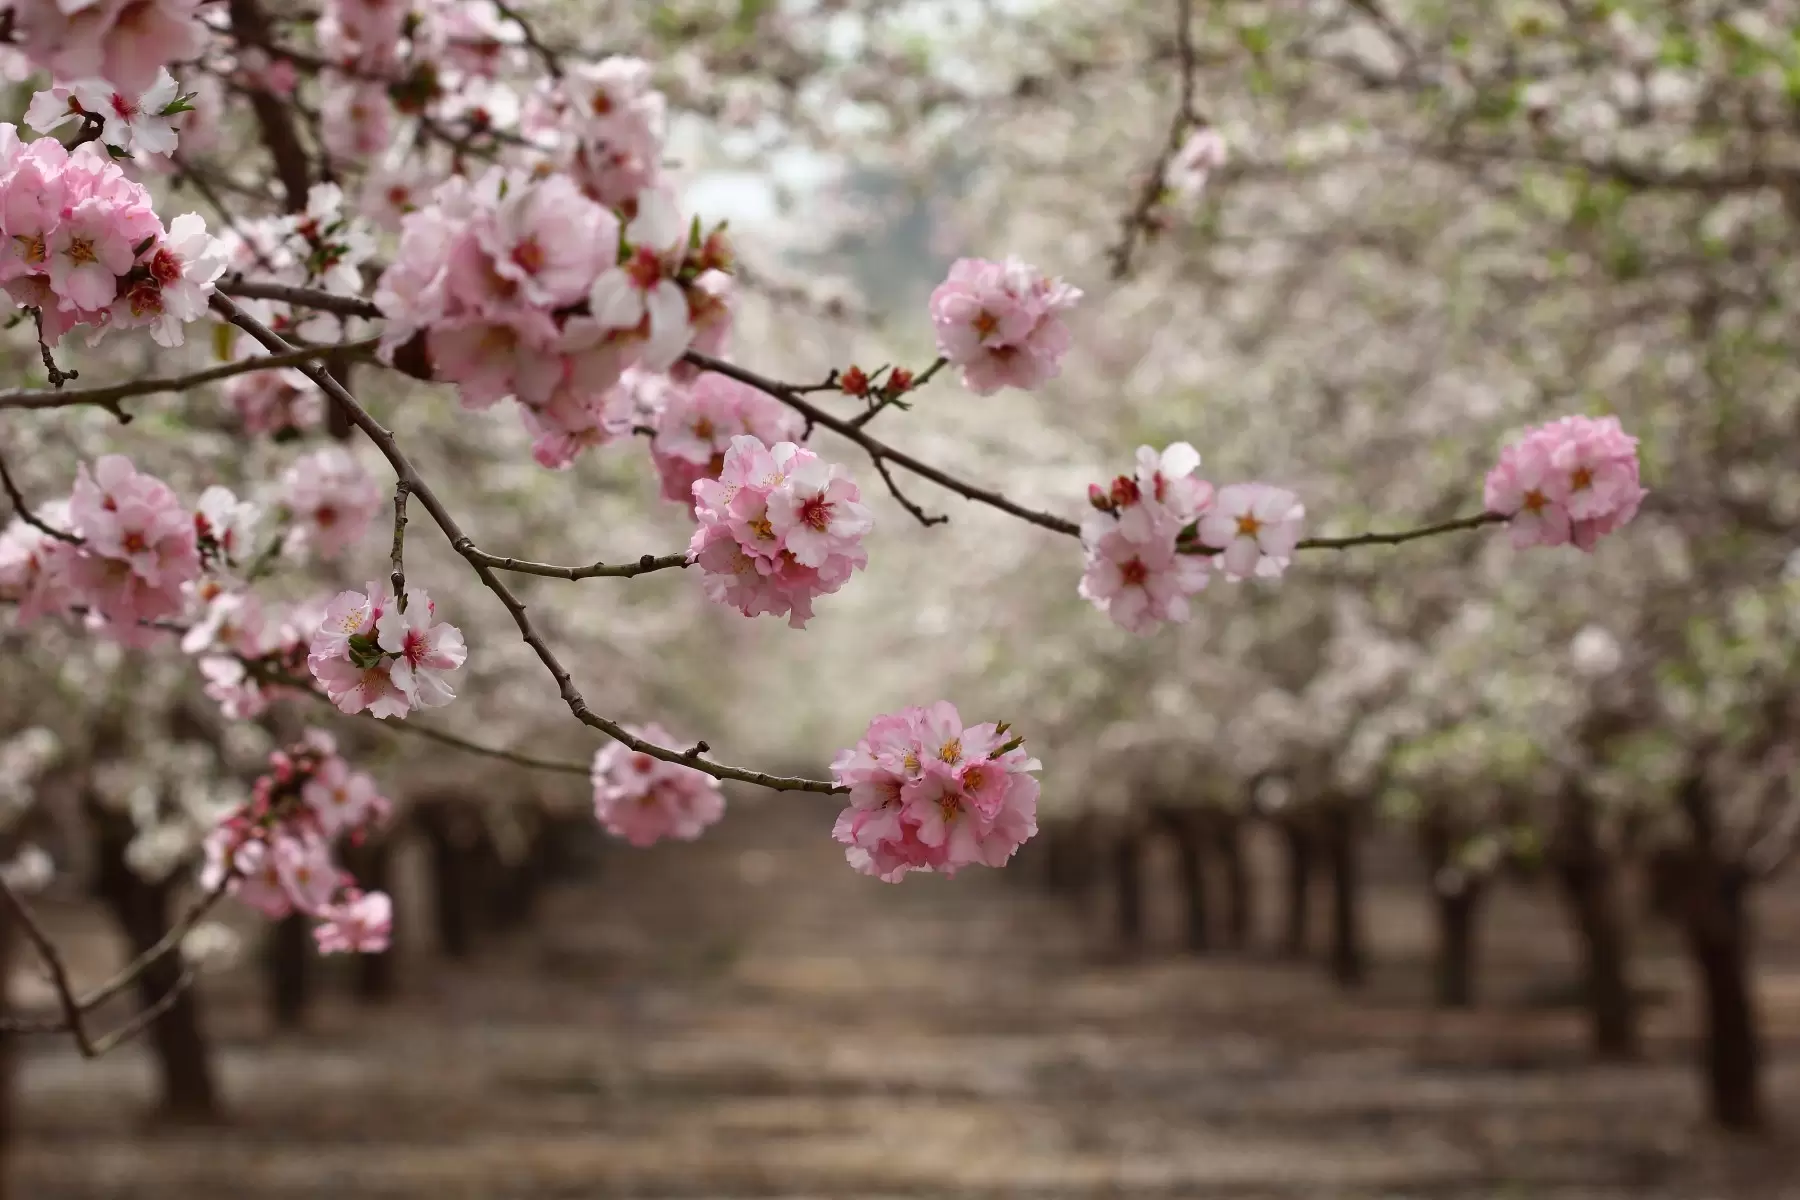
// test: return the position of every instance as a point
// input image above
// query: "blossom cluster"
(331, 501)
(372, 653)
(525, 287)
(1569, 481)
(281, 404)
(145, 124)
(124, 42)
(80, 244)
(1153, 538)
(643, 799)
(928, 794)
(697, 421)
(605, 124)
(245, 651)
(324, 248)
(779, 527)
(274, 853)
(1002, 323)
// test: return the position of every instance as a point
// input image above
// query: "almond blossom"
(363, 923)
(125, 42)
(1002, 323)
(138, 545)
(752, 564)
(1255, 527)
(141, 124)
(331, 499)
(697, 422)
(423, 649)
(928, 793)
(643, 799)
(1569, 481)
(640, 294)
(1140, 585)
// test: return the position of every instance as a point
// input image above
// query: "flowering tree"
(440, 193)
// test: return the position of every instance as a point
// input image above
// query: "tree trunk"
(1347, 964)
(1128, 883)
(183, 1059)
(1591, 888)
(1456, 913)
(1718, 940)
(377, 975)
(1298, 882)
(9, 1056)
(287, 970)
(1239, 894)
(451, 881)
(1190, 854)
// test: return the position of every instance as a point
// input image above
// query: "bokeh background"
(1446, 870)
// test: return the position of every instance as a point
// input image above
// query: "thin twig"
(398, 554)
(917, 512)
(1406, 535)
(403, 469)
(552, 62)
(24, 510)
(1137, 222)
(107, 396)
(57, 375)
(599, 570)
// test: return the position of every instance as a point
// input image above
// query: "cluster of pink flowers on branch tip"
(697, 423)
(643, 799)
(248, 656)
(928, 794)
(1002, 323)
(331, 499)
(80, 243)
(1137, 572)
(274, 853)
(1569, 481)
(281, 403)
(372, 655)
(124, 42)
(323, 248)
(525, 287)
(607, 124)
(779, 527)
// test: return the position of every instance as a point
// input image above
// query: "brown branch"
(642, 566)
(1406, 535)
(24, 510)
(880, 450)
(398, 555)
(918, 513)
(403, 469)
(107, 396)
(75, 1008)
(274, 119)
(57, 375)
(1138, 222)
(552, 62)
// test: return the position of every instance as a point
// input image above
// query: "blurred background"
(1445, 870)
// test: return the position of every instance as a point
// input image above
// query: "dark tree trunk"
(1718, 939)
(1590, 886)
(1347, 961)
(1298, 881)
(9, 1055)
(1190, 852)
(1239, 894)
(452, 879)
(288, 969)
(1456, 913)
(183, 1059)
(1128, 884)
(377, 975)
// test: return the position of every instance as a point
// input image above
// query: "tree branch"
(403, 469)
(1137, 222)
(24, 510)
(642, 566)
(107, 396)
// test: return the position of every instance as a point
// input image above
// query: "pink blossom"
(332, 501)
(134, 122)
(769, 510)
(638, 296)
(34, 567)
(125, 42)
(698, 422)
(1255, 526)
(1001, 323)
(1203, 153)
(1141, 584)
(343, 799)
(927, 793)
(182, 267)
(643, 799)
(279, 403)
(356, 119)
(362, 924)
(138, 544)
(551, 240)
(233, 622)
(89, 249)
(307, 874)
(423, 650)
(1572, 480)
(356, 689)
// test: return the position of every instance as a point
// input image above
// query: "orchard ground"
(744, 1016)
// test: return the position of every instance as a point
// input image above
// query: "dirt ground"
(746, 1017)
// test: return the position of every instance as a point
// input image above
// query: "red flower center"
(816, 512)
(1135, 573)
(529, 256)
